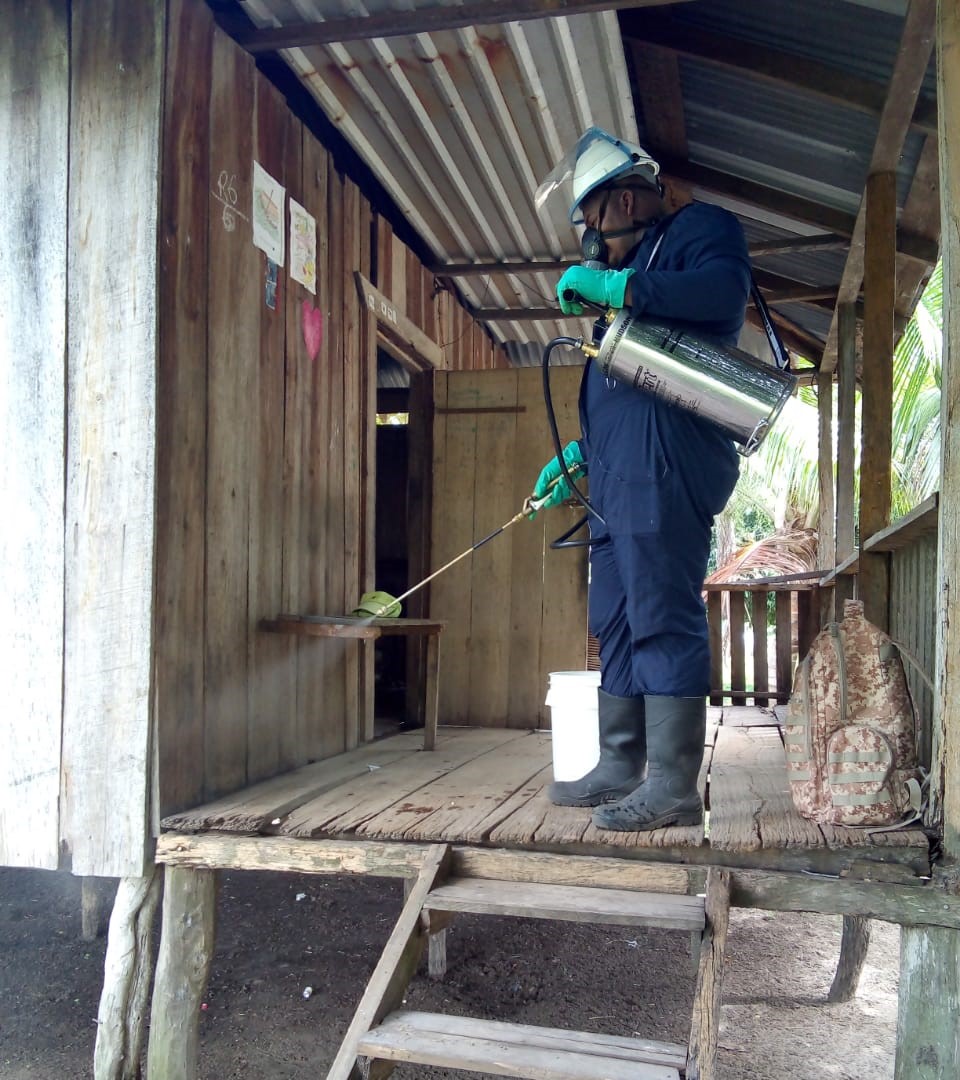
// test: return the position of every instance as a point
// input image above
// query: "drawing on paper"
(268, 196)
(303, 246)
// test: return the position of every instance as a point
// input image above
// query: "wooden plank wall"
(115, 92)
(34, 111)
(515, 609)
(913, 622)
(265, 470)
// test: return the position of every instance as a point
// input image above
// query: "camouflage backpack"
(851, 729)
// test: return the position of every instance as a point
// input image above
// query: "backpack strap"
(837, 639)
(917, 666)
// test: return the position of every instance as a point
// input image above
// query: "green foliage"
(779, 485)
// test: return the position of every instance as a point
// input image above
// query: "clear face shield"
(596, 158)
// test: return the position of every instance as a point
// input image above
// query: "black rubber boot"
(676, 728)
(622, 756)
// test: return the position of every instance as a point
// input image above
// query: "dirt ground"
(279, 934)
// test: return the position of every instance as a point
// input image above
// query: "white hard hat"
(597, 159)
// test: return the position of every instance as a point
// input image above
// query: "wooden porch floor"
(486, 786)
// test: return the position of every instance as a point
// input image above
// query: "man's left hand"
(605, 287)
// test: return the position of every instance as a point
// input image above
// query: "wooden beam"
(503, 266)
(826, 544)
(765, 64)
(846, 434)
(425, 20)
(822, 242)
(920, 215)
(226, 851)
(780, 202)
(945, 781)
(907, 905)
(521, 265)
(393, 323)
(769, 282)
(537, 314)
(922, 520)
(799, 294)
(876, 436)
(913, 59)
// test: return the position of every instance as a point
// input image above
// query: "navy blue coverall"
(658, 474)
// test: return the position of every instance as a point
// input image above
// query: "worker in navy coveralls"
(657, 475)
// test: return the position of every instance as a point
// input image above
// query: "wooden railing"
(751, 661)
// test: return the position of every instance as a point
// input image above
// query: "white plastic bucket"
(572, 698)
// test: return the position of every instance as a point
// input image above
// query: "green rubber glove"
(551, 471)
(606, 287)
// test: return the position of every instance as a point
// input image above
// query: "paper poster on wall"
(267, 214)
(303, 246)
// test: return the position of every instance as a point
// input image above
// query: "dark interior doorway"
(392, 533)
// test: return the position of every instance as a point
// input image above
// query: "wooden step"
(500, 1049)
(568, 903)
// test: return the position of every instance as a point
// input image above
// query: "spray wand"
(379, 604)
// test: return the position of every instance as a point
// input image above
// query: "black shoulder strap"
(780, 354)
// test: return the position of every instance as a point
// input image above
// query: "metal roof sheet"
(460, 126)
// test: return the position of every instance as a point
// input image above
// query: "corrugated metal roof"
(459, 126)
(859, 38)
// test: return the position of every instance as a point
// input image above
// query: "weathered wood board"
(515, 609)
(34, 90)
(106, 769)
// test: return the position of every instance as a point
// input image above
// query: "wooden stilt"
(186, 949)
(928, 1039)
(705, 1025)
(853, 953)
(127, 970)
(94, 895)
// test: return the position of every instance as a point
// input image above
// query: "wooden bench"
(340, 626)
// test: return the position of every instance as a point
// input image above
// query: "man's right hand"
(560, 491)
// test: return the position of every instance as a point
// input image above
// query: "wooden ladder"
(386, 1035)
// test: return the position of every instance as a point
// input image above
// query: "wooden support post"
(186, 949)
(437, 955)
(761, 660)
(705, 1025)
(846, 448)
(784, 641)
(928, 1044)
(879, 289)
(437, 940)
(431, 692)
(945, 778)
(94, 894)
(853, 953)
(127, 970)
(928, 1039)
(826, 517)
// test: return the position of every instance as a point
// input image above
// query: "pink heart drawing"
(312, 328)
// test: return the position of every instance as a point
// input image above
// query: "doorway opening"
(391, 514)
